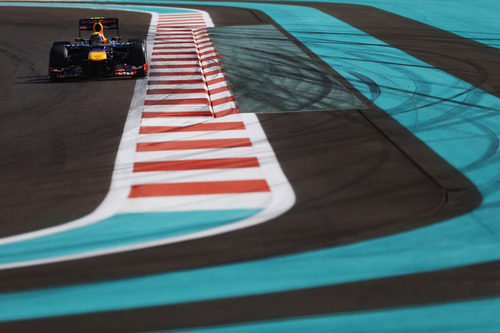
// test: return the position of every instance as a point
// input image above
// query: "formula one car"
(97, 56)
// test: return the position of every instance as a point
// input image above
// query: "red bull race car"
(97, 55)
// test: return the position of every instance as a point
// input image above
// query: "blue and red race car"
(97, 55)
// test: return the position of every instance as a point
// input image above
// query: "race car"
(97, 55)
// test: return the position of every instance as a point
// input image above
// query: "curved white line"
(283, 199)
(283, 196)
(121, 180)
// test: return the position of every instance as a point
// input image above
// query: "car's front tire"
(138, 55)
(58, 59)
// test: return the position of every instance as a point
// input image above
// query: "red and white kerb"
(194, 149)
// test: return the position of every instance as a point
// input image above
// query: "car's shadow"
(44, 79)
(33, 79)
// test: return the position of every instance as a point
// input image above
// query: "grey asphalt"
(357, 175)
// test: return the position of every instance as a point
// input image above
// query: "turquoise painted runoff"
(120, 230)
(459, 121)
(477, 20)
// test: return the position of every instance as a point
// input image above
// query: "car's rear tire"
(137, 55)
(58, 59)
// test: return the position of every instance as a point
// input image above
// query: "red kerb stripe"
(226, 126)
(206, 47)
(174, 81)
(176, 114)
(180, 22)
(178, 101)
(219, 90)
(212, 64)
(217, 80)
(223, 100)
(174, 66)
(216, 163)
(207, 52)
(177, 47)
(174, 53)
(226, 112)
(212, 58)
(183, 22)
(174, 73)
(187, 24)
(213, 72)
(194, 59)
(180, 19)
(194, 144)
(174, 91)
(170, 38)
(172, 43)
(199, 188)
(172, 32)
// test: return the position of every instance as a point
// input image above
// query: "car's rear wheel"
(57, 60)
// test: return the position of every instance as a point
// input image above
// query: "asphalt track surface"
(58, 154)
(358, 168)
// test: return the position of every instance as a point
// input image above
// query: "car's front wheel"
(57, 60)
(138, 56)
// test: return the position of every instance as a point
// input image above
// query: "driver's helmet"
(96, 38)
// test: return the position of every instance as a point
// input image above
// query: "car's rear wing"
(107, 23)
